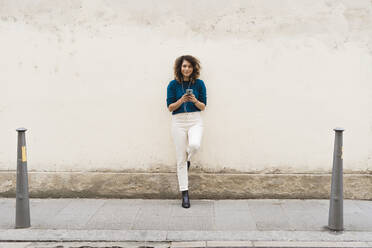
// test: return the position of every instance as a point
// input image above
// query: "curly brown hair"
(195, 68)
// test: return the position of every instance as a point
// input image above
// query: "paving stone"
(198, 208)
(153, 215)
(43, 210)
(114, 215)
(235, 220)
(153, 223)
(302, 221)
(229, 244)
(308, 244)
(302, 218)
(7, 213)
(269, 215)
(76, 214)
(188, 244)
(231, 205)
(156, 208)
(15, 244)
(317, 204)
(366, 206)
(98, 244)
(192, 223)
(293, 205)
(351, 207)
(357, 222)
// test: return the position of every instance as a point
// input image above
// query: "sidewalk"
(166, 220)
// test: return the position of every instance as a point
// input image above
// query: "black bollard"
(22, 197)
(336, 213)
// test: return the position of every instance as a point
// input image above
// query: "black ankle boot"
(188, 165)
(185, 199)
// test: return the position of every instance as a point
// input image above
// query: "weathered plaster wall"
(88, 79)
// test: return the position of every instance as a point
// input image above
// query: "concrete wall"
(88, 79)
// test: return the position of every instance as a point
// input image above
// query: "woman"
(187, 124)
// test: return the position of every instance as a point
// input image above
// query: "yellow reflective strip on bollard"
(24, 154)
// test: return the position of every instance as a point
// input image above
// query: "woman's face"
(186, 68)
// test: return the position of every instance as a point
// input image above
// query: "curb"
(52, 235)
(195, 244)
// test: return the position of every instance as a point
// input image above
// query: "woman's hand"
(188, 98)
(198, 104)
(191, 98)
(184, 98)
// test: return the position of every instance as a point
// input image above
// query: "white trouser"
(187, 131)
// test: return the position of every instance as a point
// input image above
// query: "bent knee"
(194, 146)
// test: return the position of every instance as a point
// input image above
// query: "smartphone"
(189, 91)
